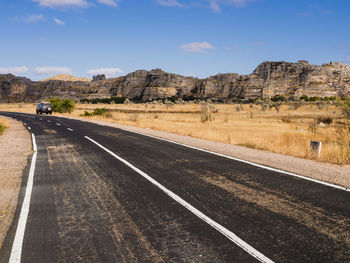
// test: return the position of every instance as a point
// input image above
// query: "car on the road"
(44, 107)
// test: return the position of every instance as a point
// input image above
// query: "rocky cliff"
(267, 80)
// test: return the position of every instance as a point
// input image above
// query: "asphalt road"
(88, 206)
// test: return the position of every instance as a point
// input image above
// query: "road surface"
(102, 194)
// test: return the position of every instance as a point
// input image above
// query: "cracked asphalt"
(87, 206)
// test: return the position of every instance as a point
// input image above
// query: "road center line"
(230, 235)
(16, 251)
(69, 129)
(58, 124)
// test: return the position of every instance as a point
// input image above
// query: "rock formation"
(99, 77)
(267, 80)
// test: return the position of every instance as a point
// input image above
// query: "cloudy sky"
(40, 38)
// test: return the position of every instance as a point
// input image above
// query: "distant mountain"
(65, 77)
(288, 79)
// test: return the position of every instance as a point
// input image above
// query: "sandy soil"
(331, 173)
(15, 145)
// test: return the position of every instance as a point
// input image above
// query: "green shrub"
(315, 98)
(2, 128)
(115, 100)
(278, 98)
(97, 112)
(62, 106)
(304, 98)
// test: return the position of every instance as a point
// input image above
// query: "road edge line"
(16, 251)
(230, 235)
(339, 187)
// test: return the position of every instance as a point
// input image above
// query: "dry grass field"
(288, 131)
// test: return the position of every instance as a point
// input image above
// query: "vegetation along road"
(94, 193)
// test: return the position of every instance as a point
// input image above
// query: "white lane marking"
(69, 129)
(28, 128)
(24, 123)
(40, 119)
(48, 121)
(230, 235)
(58, 124)
(16, 251)
(251, 163)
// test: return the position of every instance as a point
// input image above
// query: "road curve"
(89, 205)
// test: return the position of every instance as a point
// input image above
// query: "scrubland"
(287, 130)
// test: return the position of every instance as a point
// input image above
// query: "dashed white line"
(58, 124)
(24, 123)
(48, 121)
(69, 129)
(16, 252)
(29, 128)
(230, 235)
(40, 119)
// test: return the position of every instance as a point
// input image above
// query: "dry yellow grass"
(287, 132)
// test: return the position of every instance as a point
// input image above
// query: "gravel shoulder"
(335, 174)
(15, 145)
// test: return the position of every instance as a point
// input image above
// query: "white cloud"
(62, 3)
(14, 70)
(238, 3)
(108, 2)
(107, 71)
(169, 3)
(215, 6)
(201, 47)
(52, 70)
(34, 18)
(58, 22)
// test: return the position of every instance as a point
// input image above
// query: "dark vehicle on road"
(44, 107)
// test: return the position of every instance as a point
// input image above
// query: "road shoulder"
(15, 145)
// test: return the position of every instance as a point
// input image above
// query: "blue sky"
(40, 38)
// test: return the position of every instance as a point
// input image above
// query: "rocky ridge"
(268, 79)
(66, 77)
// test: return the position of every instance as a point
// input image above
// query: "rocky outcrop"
(267, 80)
(99, 77)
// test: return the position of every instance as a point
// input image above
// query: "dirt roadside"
(15, 148)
